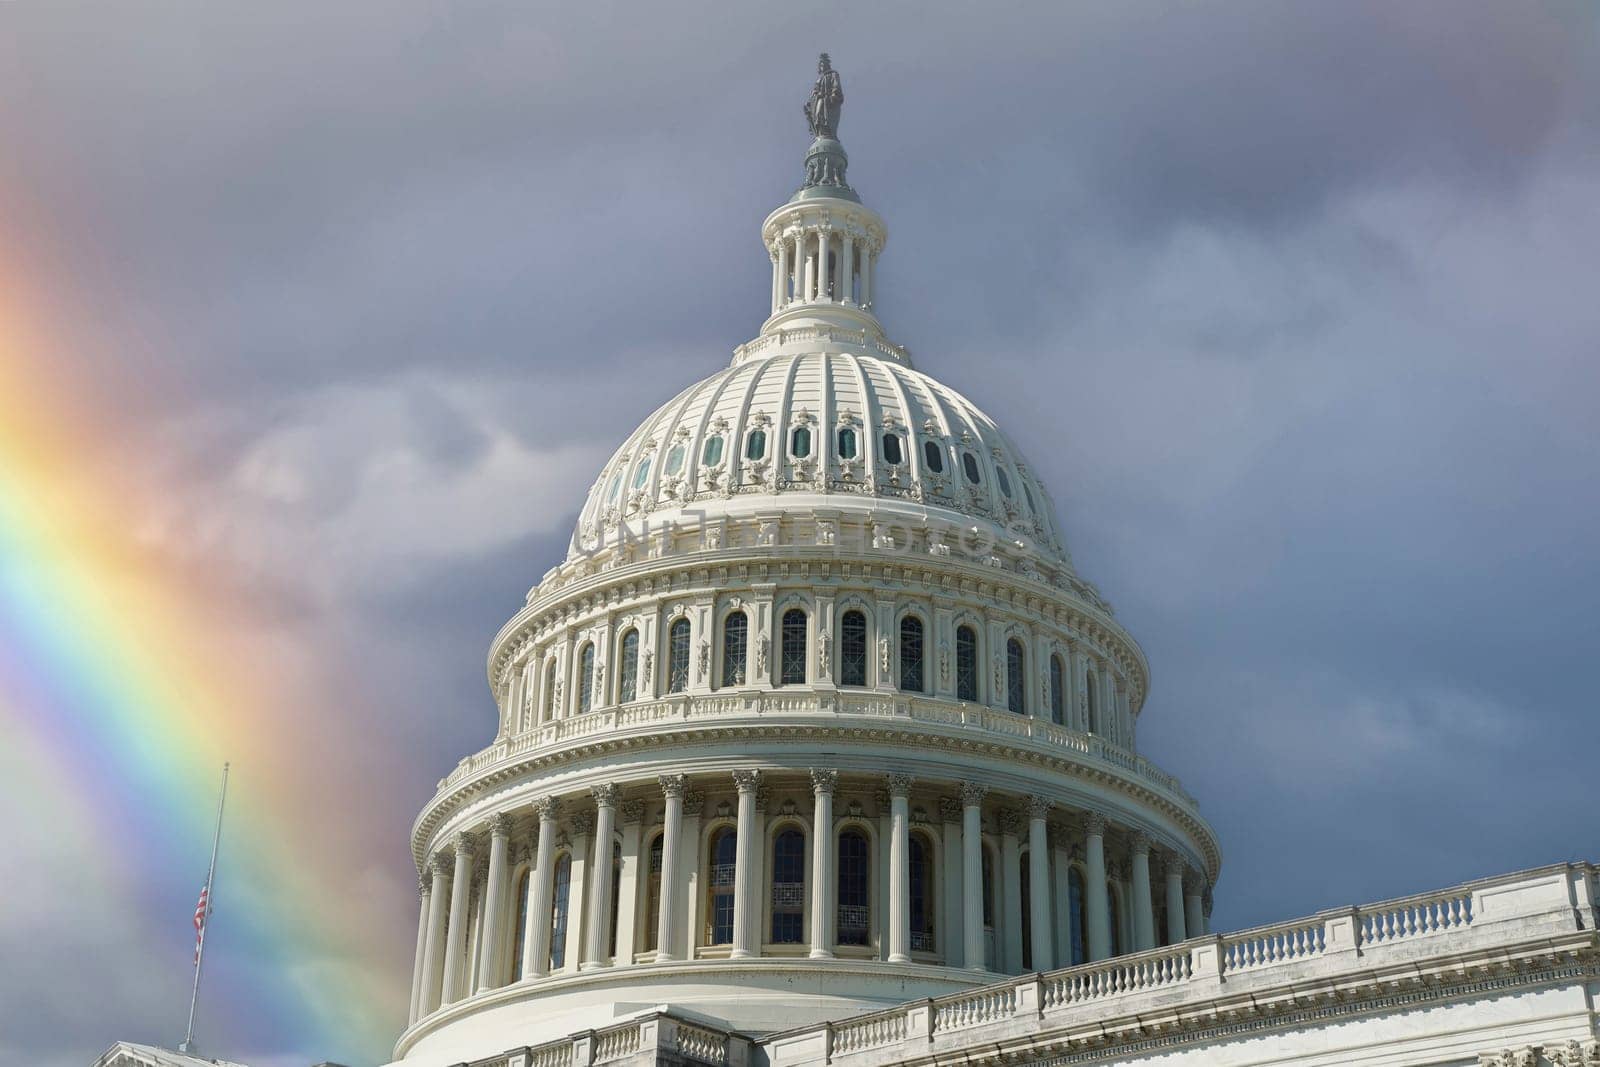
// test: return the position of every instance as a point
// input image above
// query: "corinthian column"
(595, 954)
(455, 940)
(1144, 920)
(1177, 928)
(899, 868)
(1039, 883)
(671, 831)
(433, 957)
(822, 880)
(1193, 921)
(536, 960)
(744, 840)
(1094, 891)
(972, 795)
(491, 963)
(425, 891)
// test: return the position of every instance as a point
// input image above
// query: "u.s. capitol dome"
(815, 717)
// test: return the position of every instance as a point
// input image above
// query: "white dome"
(843, 424)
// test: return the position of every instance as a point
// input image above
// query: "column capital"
(673, 785)
(747, 781)
(1039, 807)
(440, 866)
(462, 843)
(547, 808)
(972, 793)
(824, 781)
(1140, 843)
(500, 825)
(583, 823)
(605, 796)
(632, 811)
(950, 809)
(1094, 824)
(1193, 880)
(424, 885)
(900, 785)
(1010, 820)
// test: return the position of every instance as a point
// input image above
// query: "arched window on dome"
(1004, 482)
(628, 667)
(549, 689)
(755, 446)
(735, 646)
(641, 473)
(711, 454)
(586, 678)
(562, 890)
(674, 462)
(1025, 872)
(788, 887)
(933, 456)
(800, 442)
(1091, 700)
(911, 672)
(853, 648)
(855, 889)
(1016, 677)
(678, 656)
(966, 663)
(847, 443)
(652, 889)
(922, 899)
(792, 648)
(519, 940)
(989, 947)
(719, 887)
(969, 465)
(1077, 927)
(1058, 691)
(893, 453)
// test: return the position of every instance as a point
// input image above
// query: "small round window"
(1005, 483)
(800, 442)
(847, 443)
(674, 460)
(642, 475)
(711, 455)
(892, 454)
(755, 445)
(933, 455)
(969, 463)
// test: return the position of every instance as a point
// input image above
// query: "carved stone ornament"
(825, 653)
(899, 785)
(694, 802)
(1039, 807)
(1010, 820)
(746, 781)
(1140, 843)
(547, 808)
(463, 845)
(500, 825)
(644, 668)
(950, 809)
(440, 865)
(1094, 824)
(944, 663)
(823, 781)
(583, 823)
(972, 793)
(424, 886)
(705, 658)
(605, 796)
(1527, 1056)
(763, 646)
(672, 785)
(883, 655)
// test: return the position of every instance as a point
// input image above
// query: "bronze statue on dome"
(827, 96)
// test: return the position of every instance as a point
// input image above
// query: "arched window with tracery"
(966, 663)
(678, 656)
(1058, 694)
(855, 888)
(719, 887)
(652, 889)
(788, 887)
(562, 889)
(1016, 679)
(1077, 928)
(735, 644)
(628, 669)
(922, 902)
(792, 652)
(519, 943)
(853, 648)
(911, 654)
(586, 678)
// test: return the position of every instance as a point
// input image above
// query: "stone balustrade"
(1494, 926)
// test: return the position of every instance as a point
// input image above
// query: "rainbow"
(125, 682)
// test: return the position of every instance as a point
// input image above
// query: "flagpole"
(200, 950)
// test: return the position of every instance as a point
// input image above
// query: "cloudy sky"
(1293, 305)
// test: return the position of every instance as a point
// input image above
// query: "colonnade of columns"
(575, 901)
(822, 264)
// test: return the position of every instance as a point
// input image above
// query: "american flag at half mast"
(201, 910)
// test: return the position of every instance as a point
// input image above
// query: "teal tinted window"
(675, 460)
(756, 445)
(1005, 483)
(800, 442)
(642, 475)
(933, 456)
(712, 455)
(891, 449)
(616, 487)
(847, 443)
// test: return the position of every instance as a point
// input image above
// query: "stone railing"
(1491, 918)
(645, 1038)
(824, 706)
